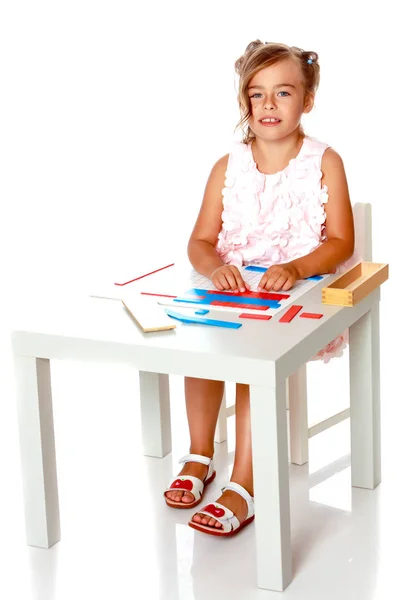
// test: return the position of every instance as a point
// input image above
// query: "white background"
(111, 117)
(113, 114)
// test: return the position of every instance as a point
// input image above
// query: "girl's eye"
(256, 96)
(286, 93)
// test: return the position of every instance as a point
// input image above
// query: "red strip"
(311, 315)
(261, 295)
(239, 305)
(150, 294)
(141, 277)
(290, 314)
(264, 295)
(253, 316)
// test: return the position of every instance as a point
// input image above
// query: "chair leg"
(287, 393)
(221, 431)
(298, 416)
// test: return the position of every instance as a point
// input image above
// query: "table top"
(260, 352)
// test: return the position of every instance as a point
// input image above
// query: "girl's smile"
(270, 122)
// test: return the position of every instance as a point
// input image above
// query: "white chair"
(300, 432)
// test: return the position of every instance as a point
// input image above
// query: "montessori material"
(290, 314)
(147, 313)
(180, 286)
(213, 322)
(202, 294)
(145, 275)
(255, 316)
(355, 284)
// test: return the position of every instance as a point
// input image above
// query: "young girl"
(280, 199)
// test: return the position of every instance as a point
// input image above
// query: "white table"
(261, 353)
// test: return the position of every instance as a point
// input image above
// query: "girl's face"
(277, 100)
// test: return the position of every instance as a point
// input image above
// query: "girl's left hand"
(279, 277)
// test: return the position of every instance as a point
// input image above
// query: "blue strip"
(263, 269)
(257, 269)
(197, 292)
(212, 322)
(189, 301)
(231, 298)
(201, 311)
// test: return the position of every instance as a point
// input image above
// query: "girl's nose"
(269, 104)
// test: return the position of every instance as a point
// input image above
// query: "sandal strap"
(204, 460)
(236, 487)
(187, 483)
(222, 514)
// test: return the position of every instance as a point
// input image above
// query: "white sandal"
(191, 484)
(230, 523)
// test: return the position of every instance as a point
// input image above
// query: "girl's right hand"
(228, 277)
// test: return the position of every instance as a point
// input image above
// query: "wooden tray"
(355, 284)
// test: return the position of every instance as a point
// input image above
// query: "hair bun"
(309, 56)
(249, 50)
(253, 45)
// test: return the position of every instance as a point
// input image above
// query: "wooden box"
(355, 284)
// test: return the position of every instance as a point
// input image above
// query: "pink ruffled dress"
(272, 219)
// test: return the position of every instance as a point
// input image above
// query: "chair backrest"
(363, 229)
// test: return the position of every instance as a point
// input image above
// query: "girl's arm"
(339, 245)
(201, 246)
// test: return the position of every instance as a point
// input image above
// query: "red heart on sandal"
(214, 510)
(182, 484)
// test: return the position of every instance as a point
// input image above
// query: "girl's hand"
(228, 277)
(279, 277)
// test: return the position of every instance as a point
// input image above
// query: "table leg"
(156, 415)
(298, 416)
(271, 486)
(37, 446)
(365, 401)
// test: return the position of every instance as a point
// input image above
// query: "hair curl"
(259, 55)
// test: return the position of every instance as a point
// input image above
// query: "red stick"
(141, 277)
(290, 314)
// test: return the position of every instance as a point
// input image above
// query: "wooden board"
(147, 313)
(355, 284)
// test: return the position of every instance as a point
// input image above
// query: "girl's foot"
(195, 470)
(231, 500)
(186, 490)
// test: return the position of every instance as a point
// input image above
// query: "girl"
(280, 199)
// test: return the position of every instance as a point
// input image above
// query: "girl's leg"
(203, 401)
(243, 467)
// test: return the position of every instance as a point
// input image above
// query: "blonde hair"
(259, 55)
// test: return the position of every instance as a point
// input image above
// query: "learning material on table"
(356, 283)
(199, 292)
(180, 286)
(148, 314)
(201, 320)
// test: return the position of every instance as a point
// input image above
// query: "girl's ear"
(308, 103)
